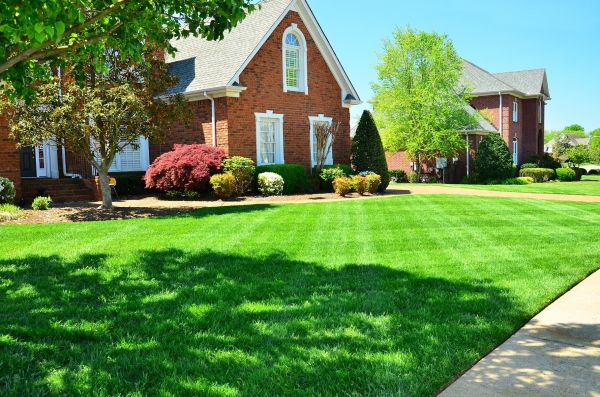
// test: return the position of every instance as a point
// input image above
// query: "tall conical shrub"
(367, 150)
(493, 160)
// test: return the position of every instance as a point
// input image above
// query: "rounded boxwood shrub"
(342, 185)
(359, 184)
(538, 175)
(270, 184)
(186, 167)
(294, 176)
(529, 165)
(493, 159)
(7, 191)
(224, 185)
(242, 169)
(367, 150)
(373, 182)
(413, 177)
(566, 174)
(594, 172)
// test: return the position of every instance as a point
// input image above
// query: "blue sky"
(561, 36)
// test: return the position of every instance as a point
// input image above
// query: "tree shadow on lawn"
(173, 322)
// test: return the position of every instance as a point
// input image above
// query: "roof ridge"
(522, 70)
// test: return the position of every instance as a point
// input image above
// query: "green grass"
(588, 186)
(393, 296)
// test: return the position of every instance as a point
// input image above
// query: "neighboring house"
(514, 106)
(573, 139)
(257, 93)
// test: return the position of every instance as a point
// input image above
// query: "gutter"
(214, 118)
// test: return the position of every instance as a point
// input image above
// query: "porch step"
(61, 190)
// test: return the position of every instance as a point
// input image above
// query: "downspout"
(214, 119)
(501, 116)
(468, 156)
(62, 146)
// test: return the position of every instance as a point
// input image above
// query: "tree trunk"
(107, 203)
(418, 167)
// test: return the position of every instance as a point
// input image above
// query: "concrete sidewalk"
(556, 354)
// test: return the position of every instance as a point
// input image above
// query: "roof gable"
(531, 82)
(203, 65)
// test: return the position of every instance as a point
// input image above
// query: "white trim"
(311, 121)
(303, 59)
(315, 31)
(143, 149)
(279, 147)
(515, 151)
(515, 111)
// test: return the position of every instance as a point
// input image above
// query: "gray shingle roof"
(202, 64)
(530, 82)
(482, 81)
(483, 125)
(526, 83)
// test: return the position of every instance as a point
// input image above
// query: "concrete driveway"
(556, 354)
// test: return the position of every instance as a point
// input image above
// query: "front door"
(28, 163)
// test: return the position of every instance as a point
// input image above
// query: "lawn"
(588, 186)
(392, 296)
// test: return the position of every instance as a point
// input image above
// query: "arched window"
(294, 60)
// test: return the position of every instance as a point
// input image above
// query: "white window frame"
(144, 150)
(515, 151)
(515, 116)
(312, 120)
(540, 111)
(279, 158)
(303, 78)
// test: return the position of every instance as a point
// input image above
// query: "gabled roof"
(203, 65)
(531, 82)
(525, 83)
(574, 139)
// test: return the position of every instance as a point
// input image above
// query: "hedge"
(566, 174)
(294, 177)
(538, 174)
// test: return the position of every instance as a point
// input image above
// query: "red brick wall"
(263, 78)
(10, 163)
(531, 129)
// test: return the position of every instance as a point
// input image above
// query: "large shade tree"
(419, 103)
(595, 146)
(103, 114)
(35, 33)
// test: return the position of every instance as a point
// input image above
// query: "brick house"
(514, 104)
(257, 93)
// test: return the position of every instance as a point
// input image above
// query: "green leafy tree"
(575, 129)
(102, 116)
(595, 146)
(419, 105)
(578, 155)
(35, 32)
(561, 145)
(493, 160)
(367, 150)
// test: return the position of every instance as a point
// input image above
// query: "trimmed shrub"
(594, 172)
(398, 176)
(538, 175)
(342, 185)
(186, 167)
(224, 185)
(544, 161)
(41, 203)
(521, 180)
(579, 172)
(413, 177)
(359, 184)
(328, 175)
(344, 167)
(493, 160)
(529, 165)
(294, 176)
(367, 150)
(566, 174)
(7, 191)
(469, 180)
(270, 184)
(130, 185)
(373, 182)
(242, 169)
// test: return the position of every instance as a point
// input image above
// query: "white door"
(42, 158)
